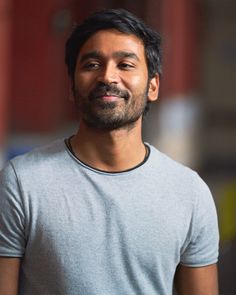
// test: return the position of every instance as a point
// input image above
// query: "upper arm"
(9, 275)
(197, 280)
(12, 215)
(12, 235)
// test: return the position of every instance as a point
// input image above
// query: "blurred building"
(194, 120)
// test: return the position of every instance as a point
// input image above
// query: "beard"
(110, 115)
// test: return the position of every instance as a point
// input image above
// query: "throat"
(108, 160)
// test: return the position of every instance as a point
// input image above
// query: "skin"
(113, 58)
(9, 275)
(120, 148)
(197, 281)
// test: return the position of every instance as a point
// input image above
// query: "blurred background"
(194, 120)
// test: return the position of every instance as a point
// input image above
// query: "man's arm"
(9, 275)
(197, 281)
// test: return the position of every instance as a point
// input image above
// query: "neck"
(113, 151)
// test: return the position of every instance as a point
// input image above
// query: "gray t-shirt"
(81, 231)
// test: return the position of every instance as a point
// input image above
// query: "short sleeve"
(203, 246)
(12, 237)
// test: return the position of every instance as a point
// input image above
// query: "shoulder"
(189, 192)
(39, 159)
(177, 175)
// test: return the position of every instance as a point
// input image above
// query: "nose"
(109, 74)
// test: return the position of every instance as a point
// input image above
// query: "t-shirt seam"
(199, 264)
(101, 172)
(8, 254)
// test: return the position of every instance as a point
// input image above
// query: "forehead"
(109, 41)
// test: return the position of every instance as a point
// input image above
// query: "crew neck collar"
(70, 150)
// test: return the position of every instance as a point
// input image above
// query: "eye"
(126, 66)
(92, 65)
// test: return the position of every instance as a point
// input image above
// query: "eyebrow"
(126, 54)
(117, 54)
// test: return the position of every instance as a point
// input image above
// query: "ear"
(153, 90)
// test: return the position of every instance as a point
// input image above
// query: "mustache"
(103, 89)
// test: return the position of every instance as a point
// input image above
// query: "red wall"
(38, 87)
(5, 32)
(181, 23)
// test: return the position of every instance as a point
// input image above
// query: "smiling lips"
(106, 92)
(109, 97)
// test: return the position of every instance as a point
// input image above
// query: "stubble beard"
(112, 115)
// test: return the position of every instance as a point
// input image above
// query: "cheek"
(82, 83)
(139, 83)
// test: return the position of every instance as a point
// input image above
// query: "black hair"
(123, 21)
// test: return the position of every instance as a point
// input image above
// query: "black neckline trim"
(68, 145)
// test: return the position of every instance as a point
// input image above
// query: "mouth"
(108, 97)
(108, 93)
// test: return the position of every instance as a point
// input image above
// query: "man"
(102, 212)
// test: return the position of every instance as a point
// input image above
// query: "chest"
(109, 222)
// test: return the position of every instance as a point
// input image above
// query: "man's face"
(111, 85)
